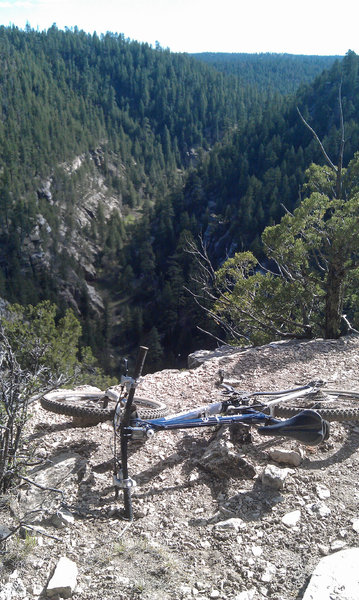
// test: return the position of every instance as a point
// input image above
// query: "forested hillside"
(262, 167)
(280, 72)
(113, 154)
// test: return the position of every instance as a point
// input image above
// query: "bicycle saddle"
(307, 427)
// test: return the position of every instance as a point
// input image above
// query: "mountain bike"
(309, 408)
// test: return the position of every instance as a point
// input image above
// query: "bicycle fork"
(121, 478)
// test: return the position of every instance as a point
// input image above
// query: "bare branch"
(314, 133)
(211, 335)
(350, 328)
(341, 148)
(286, 210)
(41, 487)
(41, 531)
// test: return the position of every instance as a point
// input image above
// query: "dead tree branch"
(41, 487)
(315, 135)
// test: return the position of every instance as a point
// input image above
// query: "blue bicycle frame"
(207, 416)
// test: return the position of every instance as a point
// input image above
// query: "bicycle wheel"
(96, 405)
(332, 405)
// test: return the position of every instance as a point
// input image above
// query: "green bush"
(38, 352)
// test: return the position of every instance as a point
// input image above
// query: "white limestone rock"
(336, 577)
(64, 580)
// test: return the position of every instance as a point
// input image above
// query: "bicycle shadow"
(187, 454)
(348, 447)
(43, 429)
(254, 503)
(316, 456)
(189, 451)
(250, 504)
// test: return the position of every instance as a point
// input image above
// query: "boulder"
(221, 459)
(196, 359)
(288, 457)
(274, 477)
(336, 576)
(64, 580)
(44, 191)
(4, 532)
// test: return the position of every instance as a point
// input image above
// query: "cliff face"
(66, 228)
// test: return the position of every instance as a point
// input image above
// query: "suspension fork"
(123, 480)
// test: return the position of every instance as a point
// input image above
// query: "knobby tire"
(345, 411)
(91, 405)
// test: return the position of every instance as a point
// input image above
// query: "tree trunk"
(334, 300)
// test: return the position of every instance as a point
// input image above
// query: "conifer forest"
(118, 159)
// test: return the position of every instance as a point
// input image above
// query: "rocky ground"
(200, 530)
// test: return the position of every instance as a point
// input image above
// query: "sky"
(321, 27)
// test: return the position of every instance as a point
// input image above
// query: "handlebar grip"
(140, 361)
